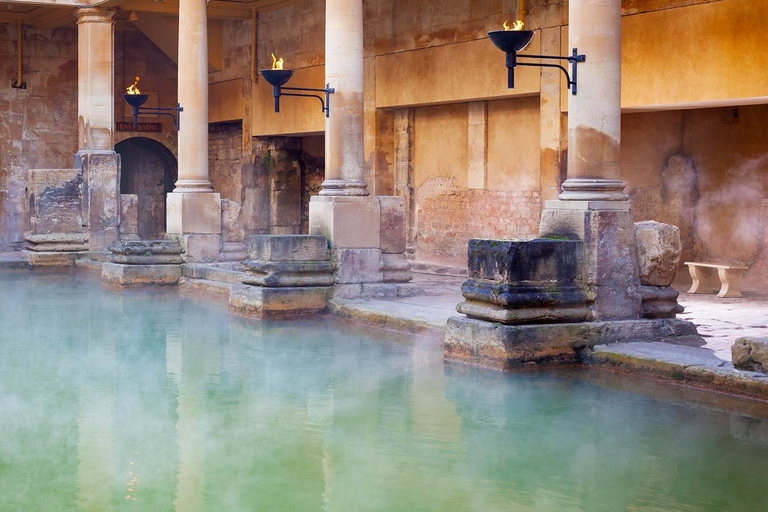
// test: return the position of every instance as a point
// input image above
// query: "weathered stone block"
(146, 247)
(291, 273)
(231, 222)
(199, 248)
(129, 216)
(52, 259)
(128, 275)
(55, 198)
(57, 242)
(532, 281)
(286, 248)
(658, 252)
(393, 224)
(750, 354)
(395, 268)
(610, 252)
(258, 301)
(101, 173)
(357, 266)
(660, 302)
(233, 251)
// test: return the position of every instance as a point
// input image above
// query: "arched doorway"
(149, 170)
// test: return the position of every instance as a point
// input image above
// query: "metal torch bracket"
(574, 59)
(325, 103)
(173, 112)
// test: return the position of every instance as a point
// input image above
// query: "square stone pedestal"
(194, 213)
(347, 222)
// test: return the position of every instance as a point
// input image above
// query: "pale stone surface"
(126, 275)
(658, 252)
(261, 301)
(129, 216)
(347, 222)
(393, 224)
(196, 212)
(288, 248)
(198, 248)
(354, 266)
(750, 354)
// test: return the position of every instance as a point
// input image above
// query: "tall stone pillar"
(344, 212)
(593, 206)
(96, 158)
(194, 210)
(594, 115)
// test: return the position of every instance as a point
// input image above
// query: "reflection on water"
(145, 400)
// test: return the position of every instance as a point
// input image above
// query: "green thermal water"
(150, 401)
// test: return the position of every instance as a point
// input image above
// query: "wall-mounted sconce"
(515, 39)
(135, 99)
(278, 77)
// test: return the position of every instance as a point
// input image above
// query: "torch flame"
(517, 26)
(277, 63)
(133, 89)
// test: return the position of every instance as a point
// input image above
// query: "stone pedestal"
(285, 275)
(611, 269)
(101, 195)
(55, 199)
(196, 212)
(143, 262)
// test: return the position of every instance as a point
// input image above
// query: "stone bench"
(730, 278)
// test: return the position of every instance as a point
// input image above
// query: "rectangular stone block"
(194, 213)
(101, 174)
(131, 275)
(284, 248)
(129, 214)
(516, 262)
(198, 248)
(357, 266)
(347, 222)
(258, 301)
(55, 198)
(393, 224)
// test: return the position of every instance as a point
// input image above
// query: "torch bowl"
(511, 40)
(135, 100)
(277, 77)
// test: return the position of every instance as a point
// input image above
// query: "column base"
(347, 222)
(344, 188)
(591, 189)
(198, 212)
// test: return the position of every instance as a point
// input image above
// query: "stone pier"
(344, 212)
(193, 208)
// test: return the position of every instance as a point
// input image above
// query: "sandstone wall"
(38, 125)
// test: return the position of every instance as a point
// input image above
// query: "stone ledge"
(689, 366)
(260, 302)
(52, 259)
(131, 275)
(501, 346)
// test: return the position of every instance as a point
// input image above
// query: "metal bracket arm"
(574, 59)
(326, 103)
(163, 111)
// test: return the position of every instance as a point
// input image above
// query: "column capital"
(95, 15)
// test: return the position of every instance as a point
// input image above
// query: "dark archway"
(149, 170)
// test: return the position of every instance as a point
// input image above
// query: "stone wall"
(225, 159)
(38, 125)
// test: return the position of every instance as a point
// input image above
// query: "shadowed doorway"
(149, 170)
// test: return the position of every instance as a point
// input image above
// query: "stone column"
(594, 114)
(344, 212)
(593, 206)
(194, 210)
(344, 72)
(96, 158)
(95, 78)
